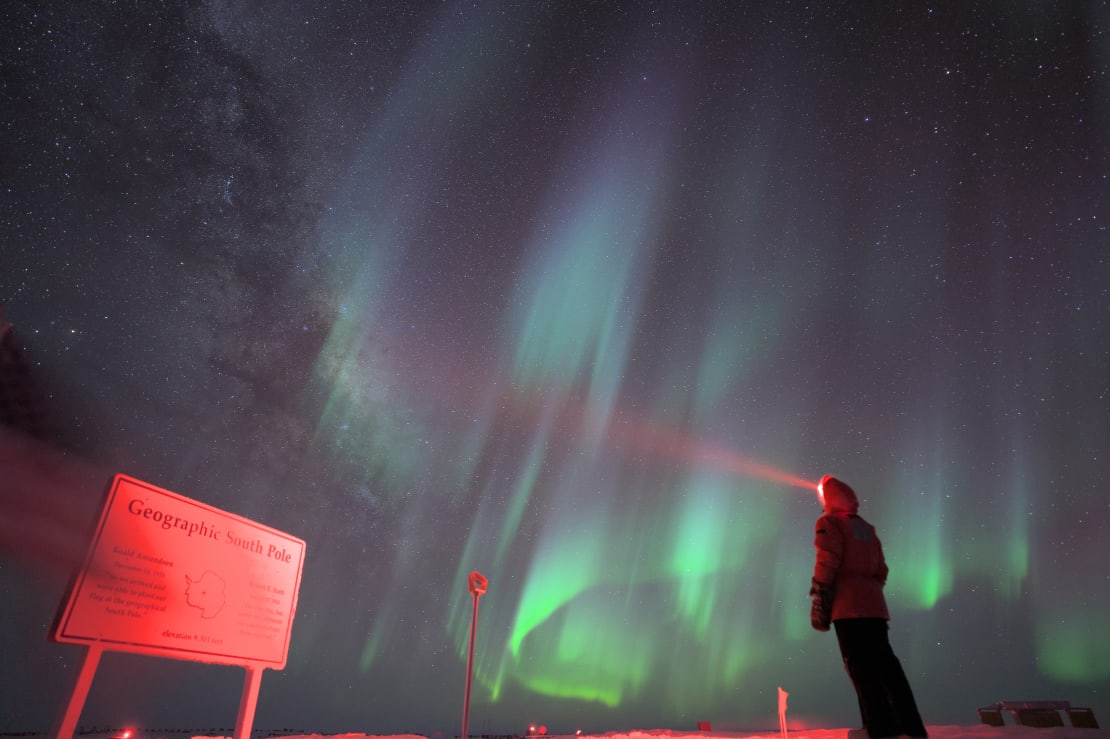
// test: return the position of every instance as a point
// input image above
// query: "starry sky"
(584, 296)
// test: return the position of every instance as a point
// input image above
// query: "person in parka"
(847, 591)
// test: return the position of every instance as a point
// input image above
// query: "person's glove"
(820, 611)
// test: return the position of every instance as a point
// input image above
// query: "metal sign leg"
(67, 721)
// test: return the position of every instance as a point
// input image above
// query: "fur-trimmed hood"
(837, 496)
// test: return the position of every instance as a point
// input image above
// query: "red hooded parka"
(849, 555)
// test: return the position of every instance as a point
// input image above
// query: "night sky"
(579, 295)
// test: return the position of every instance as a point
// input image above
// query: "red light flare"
(665, 441)
(624, 430)
(49, 501)
(628, 432)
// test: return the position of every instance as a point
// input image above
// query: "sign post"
(477, 584)
(167, 576)
(67, 720)
(248, 701)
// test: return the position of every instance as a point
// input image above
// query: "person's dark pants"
(886, 701)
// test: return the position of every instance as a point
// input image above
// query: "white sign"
(172, 577)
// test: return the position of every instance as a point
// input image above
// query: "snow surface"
(978, 731)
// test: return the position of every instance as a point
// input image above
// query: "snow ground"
(978, 731)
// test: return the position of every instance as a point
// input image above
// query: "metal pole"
(67, 720)
(248, 702)
(477, 585)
